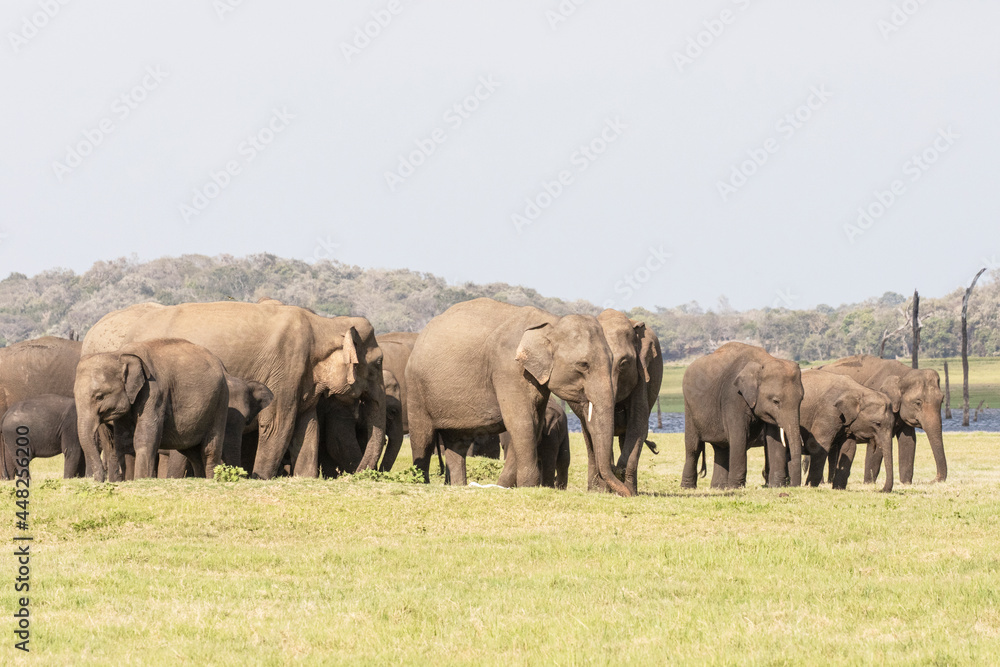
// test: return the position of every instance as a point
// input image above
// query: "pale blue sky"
(197, 84)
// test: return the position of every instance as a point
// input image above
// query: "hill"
(63, 303)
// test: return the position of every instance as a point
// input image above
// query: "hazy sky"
(697, 148)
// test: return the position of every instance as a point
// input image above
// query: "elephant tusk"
(590, 411)
(781, 434)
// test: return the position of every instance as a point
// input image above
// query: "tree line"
(62, 303)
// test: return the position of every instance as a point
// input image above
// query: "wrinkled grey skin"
(916, 397)
(49, 424)
(246, 400)
(730, 398)
(168, 393)
(836, 414)
(483, 367)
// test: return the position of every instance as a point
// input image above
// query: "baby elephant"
(158, 394)
(836, 414)
(50, 421)
(246, 399)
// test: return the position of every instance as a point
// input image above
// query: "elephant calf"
(246, 400)
(553, 450)
(51, 424)
(165, 393)
(836, 414)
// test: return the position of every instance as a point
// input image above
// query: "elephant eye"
(583, 366)
(776, 401)
(98, 397)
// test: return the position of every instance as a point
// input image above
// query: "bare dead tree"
(965, 349)
(916, 326)
(978, 409)
(886, 335)
(947, 393)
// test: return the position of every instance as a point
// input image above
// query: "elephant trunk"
(87, 425)
(930, 421)
(794, 436)
(373, 415)
(883, 440)
(600, 424)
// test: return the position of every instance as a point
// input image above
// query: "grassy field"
(336, 572)
(984, 382)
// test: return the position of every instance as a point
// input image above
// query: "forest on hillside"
(62, 303)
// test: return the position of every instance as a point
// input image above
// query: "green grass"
(984, 381)
(365, 572)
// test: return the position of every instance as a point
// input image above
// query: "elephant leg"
(215, 441)
(163, 465)
(524, 425)
(777, 457)
(422, 438)
(562, 463)
(508, 477)
(304, 448)
(814, 475)
(275, 430)
(692, 445)
(720, 472)
(455, 452)
(129, 466)
(873, 463)
(832, 457)
(146, 441)
(122, 437)
(176, 464)
(907, 439)
(71, 462)
(194, 463)
(845, 460)
(738, 459)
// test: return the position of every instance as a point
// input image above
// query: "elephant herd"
(158, 390)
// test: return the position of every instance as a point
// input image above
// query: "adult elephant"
(299, 355)
(396, 349)
(918, 406)
(483, 367)
(637, 359)
(33, 368)
(836, 414)
(731, 397)
(553, 448)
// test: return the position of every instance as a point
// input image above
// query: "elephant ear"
(262, 396)
(134, 375)
(748, 383)
(892, 389)
(350, 351)
(849, 407)
(535, 353)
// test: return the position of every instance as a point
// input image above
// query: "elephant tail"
(704, 467)
(440, 459)
(652, 446)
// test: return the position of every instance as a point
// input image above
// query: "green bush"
(482, 470)
(411, 475)
(224, 473)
